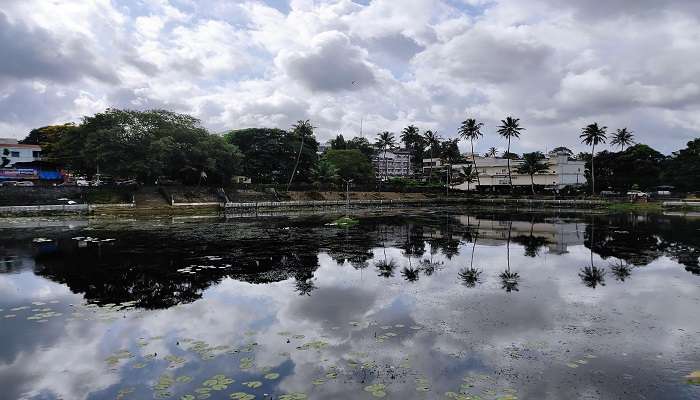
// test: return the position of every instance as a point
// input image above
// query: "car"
(82, 182)
(636, 193)
(25, 183)
(8, 183)
(128, 182)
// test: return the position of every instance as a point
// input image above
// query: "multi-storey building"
(396, 163)
(493, 171)
(12, 152)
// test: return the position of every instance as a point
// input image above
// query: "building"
(12, 152)
(397, 163)
(493, 171)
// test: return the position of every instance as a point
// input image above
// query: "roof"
(28, 146)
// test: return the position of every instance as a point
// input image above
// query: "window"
(14, 154)
(36, 154)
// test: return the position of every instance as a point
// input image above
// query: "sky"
(558, 65)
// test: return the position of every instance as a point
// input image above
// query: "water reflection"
(284, 306)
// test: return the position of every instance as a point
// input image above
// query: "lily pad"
(242, 396)
(253, 384)
(272, 376)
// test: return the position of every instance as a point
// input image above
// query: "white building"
(493, 171)
(15, 152)
(397, 163)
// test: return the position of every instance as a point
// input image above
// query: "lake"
(410, 304)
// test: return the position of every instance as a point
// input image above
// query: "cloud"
(332, 64)
(35, 53)
(557, 65)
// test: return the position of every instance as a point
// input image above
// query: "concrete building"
(14, 152)
(493, 171)
(396, 164)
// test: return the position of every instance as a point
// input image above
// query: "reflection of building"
(558, 235)
(493, 171)
(12, 152)
(396, 163)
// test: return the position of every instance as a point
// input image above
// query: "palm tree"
(385, 140)
(468, 175)
(470, 129)
(413, 141)
(592, 276)
(593, 135)
(623, 138)
(532, 164)
(492, 152)
(303, 129)
(325, 172)
(509, 129)
(432, 139)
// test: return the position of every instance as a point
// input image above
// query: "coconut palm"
(622, 138)
(532, 164)
(593, 135)
(303, 129)
(385, 140)
(432, 139)
(510, 128)
(492, 152)
(325, 172)
(509, 280)
(414, 142)
(468, 175)
(471, 130)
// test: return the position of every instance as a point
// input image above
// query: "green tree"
(449, 151)
(622, 138)
(363, 145)
(471, 130)
(415, 143)
(325, 172)
(510, 128)
(593, 135)
(468, 175)
(303, 129)
(562, 149)
(682, 169)
(339, 143)
(351, 164)
(385, 140)
(532, 164)
(492, 152)
(433, 140)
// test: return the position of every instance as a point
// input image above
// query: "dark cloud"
(29, 53)
(333, 64)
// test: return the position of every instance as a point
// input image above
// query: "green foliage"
(351, 164)
(532, 164)
(325, 172)
(638, 165)
(363, 145)
(145, 145)
(339, 143)
(415, 143)
(682, 169)
(449, 151)
(622, 138)
(269, 154)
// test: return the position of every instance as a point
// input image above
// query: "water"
(394, 307)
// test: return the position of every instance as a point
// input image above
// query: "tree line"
(146, 145)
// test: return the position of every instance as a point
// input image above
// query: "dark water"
(443, 304)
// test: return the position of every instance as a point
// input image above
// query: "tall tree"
(532, 164)
(492, 152)
(622, 138)
(415, 143)
(303, 129)
(510, 128)
(325, 172)
(432, 139)
(593, 135)
(471, 130)
(385, 140)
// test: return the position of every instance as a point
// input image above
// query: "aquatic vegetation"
(693, 377)
(377, 389)
(345, 222)
(242, 396)
(293, 396)
(252, 384)
(272, 376)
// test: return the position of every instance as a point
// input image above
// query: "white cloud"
(556, 65)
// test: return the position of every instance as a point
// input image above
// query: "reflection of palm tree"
(621, 270)
(592, 276)
(509, 280)
(410, 274)
(385, 267)
(471, 276)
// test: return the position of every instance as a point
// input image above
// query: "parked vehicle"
(25, 183)
(8, 183)
(128, 182)
(637, 194)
